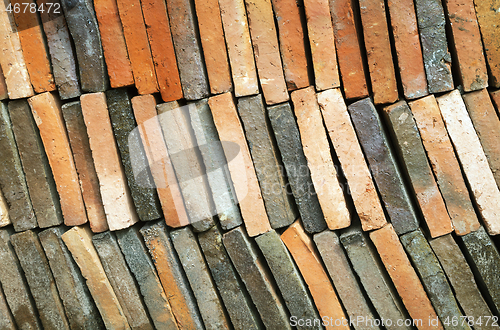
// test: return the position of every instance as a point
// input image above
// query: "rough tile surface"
(216, 165)
(132, 154)
(381, 161)
(347, 148)
(279, 204)
(12, 179)
(6, 320)
(239, 306)
(321, 41)
(289, 144)
(115, 193)
(4, 212)
(40, 280)
(82, 24)
(41, 185)
(46, 109)
(84, 163)
(308, 261)
(239, 47)
(209, 302)
(257, 279)
(444, 164)
(79, 305)
(472, 158)
(412, 154)
(319, 160)
(79, 242)
(172, 276)
(241, 167)
(489, 19)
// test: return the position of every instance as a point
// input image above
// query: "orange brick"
(291, 40)
(403, 276)
(378, 50)
(346, 31)
(46, 110)
(319, 159)
(161, 168)
(472, 158)
(12, 58)
(241, 167)
(84, 163)
(467, 44)
(79, 243)
(139, 52)
(113, 43)
(214, 45)
(445, 165)
(321, 40)
(266, 51)
(347, 148)
(34, 47)
(488, 17)
(239, 47)
(487, 125)
(162, 49)
(115, 193)
(3, 87)
(309, 262)
(408, 49)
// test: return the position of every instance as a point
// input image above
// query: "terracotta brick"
(472, 158)
(495, 97)
(160, 165)
(12, 59)
(403, 276)
(84, 163)
(162, 49)
(488, 18)
(487, 125)
(266, 50)
(319, 159)
(39, 178)
(34, 48)
(84, 30)
(444, 164)
(321, 41)
(291, 25)
(343, 277)
(187, 163)
(12, 178)
(139, 52)
(214, 45)
(239, 47)
(186, 37)
(306, 257)
(241, 168)
(4, 94)
(378, 51)
(61, 51)
(467, 45)
(414, 160)
(347, 148)
(115, 193)
(4, 212)
(79, 243)
(171, 275)
(46, 109)
(113, 43)
(347, 31)
(437, 60)
(408, 48)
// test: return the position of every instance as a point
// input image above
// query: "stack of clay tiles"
(249, 164)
